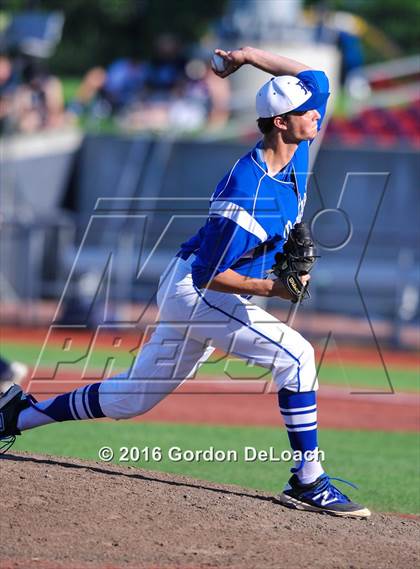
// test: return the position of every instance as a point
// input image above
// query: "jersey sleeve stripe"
(240, 216)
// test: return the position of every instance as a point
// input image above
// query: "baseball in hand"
(218, 63)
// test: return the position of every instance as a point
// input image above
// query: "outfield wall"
(141, 190)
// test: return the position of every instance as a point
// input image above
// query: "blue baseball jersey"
(252, 212)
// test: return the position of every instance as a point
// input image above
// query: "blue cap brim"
(314, 102)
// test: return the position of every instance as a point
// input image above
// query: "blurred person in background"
(204, 91)
(136, 93)
(170, 89)
(343, 30)
(8, 85)
(164, 77)
(106, 92)
(178, 91)
(30, 98)
(38, 101)
(166, 69)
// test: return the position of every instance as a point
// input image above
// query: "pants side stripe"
(253, 329)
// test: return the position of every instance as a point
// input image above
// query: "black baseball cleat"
(320, 496)
(12, 402)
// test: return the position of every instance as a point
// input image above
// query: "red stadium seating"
(385, 127)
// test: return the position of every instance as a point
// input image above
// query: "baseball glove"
(297, 259)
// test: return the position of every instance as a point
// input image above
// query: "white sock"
(310, 470)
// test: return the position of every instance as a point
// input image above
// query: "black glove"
(297, 259)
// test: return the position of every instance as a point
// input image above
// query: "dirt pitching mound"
(66, 513)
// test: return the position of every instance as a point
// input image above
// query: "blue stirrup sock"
(80, 404)
(299, 412)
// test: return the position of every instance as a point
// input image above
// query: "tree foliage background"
(98, 31)
(399, 20)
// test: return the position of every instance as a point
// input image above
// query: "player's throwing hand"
(225, 63)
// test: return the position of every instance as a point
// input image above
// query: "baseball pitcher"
(253, 244)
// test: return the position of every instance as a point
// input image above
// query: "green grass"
(70, 86)
(367, 377)
(350, 375)
(384, 465)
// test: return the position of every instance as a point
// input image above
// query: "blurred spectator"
(167, 91)
(127, 82)
(198, 99)
(38, 101)
(351, 49)
(163, 83)
(7, 88)
(341, 29)
(178, 93)
(105, 92)
(30, 98)
(202, 93)
(166, 69)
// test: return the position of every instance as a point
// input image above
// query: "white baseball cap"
(284, 94)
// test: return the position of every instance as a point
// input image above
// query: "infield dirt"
(67, 513)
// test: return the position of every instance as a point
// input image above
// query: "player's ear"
(280, 122)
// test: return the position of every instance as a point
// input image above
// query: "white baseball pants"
(192, 324)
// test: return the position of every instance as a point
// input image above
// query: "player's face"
(302, 126)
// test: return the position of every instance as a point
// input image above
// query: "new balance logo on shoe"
(325, 501)
(320, 496)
